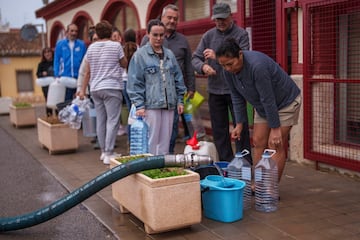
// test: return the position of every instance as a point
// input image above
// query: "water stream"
(225, 183)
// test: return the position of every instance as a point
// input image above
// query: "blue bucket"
(221, 202)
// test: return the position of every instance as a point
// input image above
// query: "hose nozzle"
(188, 160)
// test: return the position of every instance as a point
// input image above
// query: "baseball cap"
(221, 10)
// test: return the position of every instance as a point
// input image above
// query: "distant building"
(18, 64)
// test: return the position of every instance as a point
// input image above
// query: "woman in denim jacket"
(156, 87)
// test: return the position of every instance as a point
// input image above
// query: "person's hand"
(190, 94)
(44, 73)
(209, 54)
(236, 132)
(208, 70)
(80, 94)
(275, 138)
(140, 112)
(180, 109)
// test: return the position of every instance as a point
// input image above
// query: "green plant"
(51, 119)
(22, 105)
(164, 172)
(154, 173)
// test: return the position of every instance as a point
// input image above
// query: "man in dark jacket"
(204, 62)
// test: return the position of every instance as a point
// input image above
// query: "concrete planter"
(161, 204)
(22, 116)
(57, 137)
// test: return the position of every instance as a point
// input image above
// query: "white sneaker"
(102, 156)
(107, 160)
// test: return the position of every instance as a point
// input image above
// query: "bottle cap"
(193, 142)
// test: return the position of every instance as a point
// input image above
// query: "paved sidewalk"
(314, 204)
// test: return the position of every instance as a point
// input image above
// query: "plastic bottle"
(139, 137)
(266, 183)
(240, 168)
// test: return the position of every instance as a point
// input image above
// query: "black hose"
(81, 193)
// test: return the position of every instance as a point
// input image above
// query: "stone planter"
(22, 116)
(57, 137)
(161, 204)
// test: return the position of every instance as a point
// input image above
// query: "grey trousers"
(160, 123)
(108, 104)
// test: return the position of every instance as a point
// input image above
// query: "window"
(24, 81)
(196, 9)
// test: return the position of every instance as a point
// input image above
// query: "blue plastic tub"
(221, 202)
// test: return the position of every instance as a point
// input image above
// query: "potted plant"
(162, 203)
(22, 114)
(56, 136)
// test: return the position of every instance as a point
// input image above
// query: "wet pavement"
(314, 204)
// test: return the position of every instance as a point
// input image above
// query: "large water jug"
(266, 183)
(56, 94)
(139, 137)
(240, 168)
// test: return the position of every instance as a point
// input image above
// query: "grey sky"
(20, 12)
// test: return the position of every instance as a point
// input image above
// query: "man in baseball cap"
(219, 98)
(221, 10)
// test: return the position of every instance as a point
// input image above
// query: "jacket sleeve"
(136, 82)
(198, 59)
(57, 56)
(189, 78)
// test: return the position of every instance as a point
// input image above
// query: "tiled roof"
(11, 45)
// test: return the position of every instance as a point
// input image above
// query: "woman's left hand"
(275, 138)
(140, 112)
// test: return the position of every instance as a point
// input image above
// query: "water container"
(89, 122)
(56, 94)
(139, 137)
(240, 168)
(201, 148)
(266, 183)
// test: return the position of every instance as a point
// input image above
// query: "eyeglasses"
(161, 35)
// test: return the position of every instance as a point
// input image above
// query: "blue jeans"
(175, 130)
(70, 93)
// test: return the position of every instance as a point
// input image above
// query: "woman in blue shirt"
(254, 77)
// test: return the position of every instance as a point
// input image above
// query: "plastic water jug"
(266, 183)
(89, 122)
(201, 148)
(139, 137)
(56, 94)
(240, 168)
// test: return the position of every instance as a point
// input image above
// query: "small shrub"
(22, 104)
(154, 173)
(52, 119)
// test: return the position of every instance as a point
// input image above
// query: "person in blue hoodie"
(68, 56)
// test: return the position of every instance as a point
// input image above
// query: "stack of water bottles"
(266, 180)
(73, 113)
(139, 137)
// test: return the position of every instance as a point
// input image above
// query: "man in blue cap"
(204, 62)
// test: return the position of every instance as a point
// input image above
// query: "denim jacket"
(154, 83)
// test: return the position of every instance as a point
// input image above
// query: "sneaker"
(102, 156)
(107, 159)
(113, 155)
